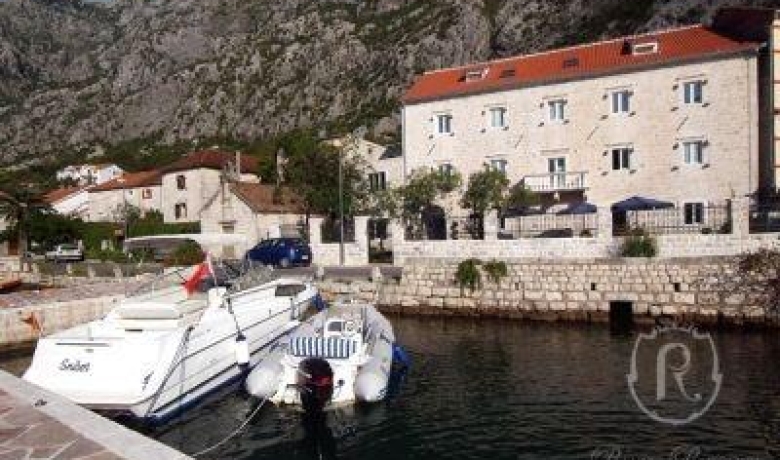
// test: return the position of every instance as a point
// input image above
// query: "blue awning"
(580, 208)
(639, 203)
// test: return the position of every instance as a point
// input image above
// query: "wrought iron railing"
(549, 226)
(706, 220)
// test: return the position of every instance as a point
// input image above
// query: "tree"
(19, 207)
(487, 189)
(311, 168)
(521, 197)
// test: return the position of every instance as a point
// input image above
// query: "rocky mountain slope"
(79, 74)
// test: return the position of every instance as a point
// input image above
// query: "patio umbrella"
(639, 203)
(580, 208)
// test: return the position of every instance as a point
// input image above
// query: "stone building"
(258, 211)
(70, 201)
(108, 202)
(675, 115)
(193, 183)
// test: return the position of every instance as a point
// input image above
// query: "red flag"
(200, 273)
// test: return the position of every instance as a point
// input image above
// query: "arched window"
(181, 182)
(180, 211)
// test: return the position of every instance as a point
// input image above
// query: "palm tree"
(17, 208)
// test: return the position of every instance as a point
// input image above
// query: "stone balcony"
(557, 182)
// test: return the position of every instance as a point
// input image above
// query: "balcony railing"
(556, 182)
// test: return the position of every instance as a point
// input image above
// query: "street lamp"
(351, 144)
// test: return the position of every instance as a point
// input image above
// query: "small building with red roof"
(109, 202)
(677, 115)
(259, 211)
(69, 201)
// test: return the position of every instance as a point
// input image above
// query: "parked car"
(281, 252)
(65, 253)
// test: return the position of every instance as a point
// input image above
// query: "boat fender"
(242, 350)
(264, 380)
(371, 381)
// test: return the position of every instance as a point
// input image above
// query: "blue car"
(281, 252)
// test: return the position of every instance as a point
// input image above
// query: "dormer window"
(507, 73)
(476, 74)
(639, 49)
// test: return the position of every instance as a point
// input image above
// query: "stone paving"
(27, 434)
(39, 425)
(51, 295)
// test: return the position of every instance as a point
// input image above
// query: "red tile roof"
(601, 58)
(212, 159)
(131, 180)
(61, 193)
(262, 199)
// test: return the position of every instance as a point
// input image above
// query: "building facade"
(110, 202)
(193, 183)
(673, 115)
(258, 211)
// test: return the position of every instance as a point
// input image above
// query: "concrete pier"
(37, 424)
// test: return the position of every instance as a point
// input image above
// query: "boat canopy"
(204, 240)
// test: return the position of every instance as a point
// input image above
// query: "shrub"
(468, 275)
(188, 253)
(639, 244)
(495, 270)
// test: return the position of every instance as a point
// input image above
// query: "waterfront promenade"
(37, 424)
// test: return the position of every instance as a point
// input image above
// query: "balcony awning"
(639, 203)
(580, 208)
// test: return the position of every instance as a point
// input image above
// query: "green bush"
(468, 275)
(188, 253)
(495, 270)
(639, 244)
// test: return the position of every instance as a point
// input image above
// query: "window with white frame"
(498, 164)
(557, 169)
(377, 181)
(693, 213)
(498, 117)
(693, 92)
(557, 110)
(621, 101)
(693, 152)
(444, 123)
(622, 158)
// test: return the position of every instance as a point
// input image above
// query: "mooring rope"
(234, 433)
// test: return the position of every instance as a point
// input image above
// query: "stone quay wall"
(702, 290)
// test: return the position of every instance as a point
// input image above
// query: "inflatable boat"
(341, 355)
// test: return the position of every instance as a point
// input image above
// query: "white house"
(258, 211)
(90, 174)
(70, 201)
(107, 202)
(673, 115)
(191, 184)
(384, 163)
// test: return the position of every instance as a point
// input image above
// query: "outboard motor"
(315, 383)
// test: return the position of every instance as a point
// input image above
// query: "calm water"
(510, 390)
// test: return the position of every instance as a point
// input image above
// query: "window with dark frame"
(181, 182)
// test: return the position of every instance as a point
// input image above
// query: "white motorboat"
(163, 348)
(339, 356)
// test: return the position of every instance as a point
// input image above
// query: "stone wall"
(700, 290)
(16, 324)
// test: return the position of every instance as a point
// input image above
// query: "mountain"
(76, 74)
